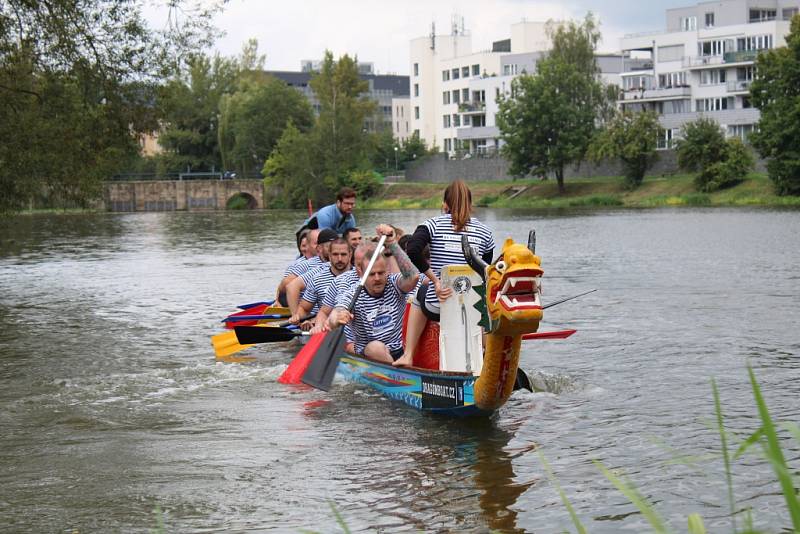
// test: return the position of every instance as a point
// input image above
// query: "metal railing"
(472, 106)
(738, 86)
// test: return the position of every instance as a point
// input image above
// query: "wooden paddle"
(322, 368)
(227, 343)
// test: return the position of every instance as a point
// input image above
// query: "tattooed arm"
(408, 272)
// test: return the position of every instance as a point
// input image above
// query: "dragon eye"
(500, 266)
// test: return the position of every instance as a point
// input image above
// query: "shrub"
(736, 162)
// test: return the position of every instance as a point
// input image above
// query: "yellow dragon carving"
(514, 308)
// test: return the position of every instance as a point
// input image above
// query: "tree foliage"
(549, 119)
(630, 137)
(719, 162)
(77, 80)
(253, 118)
(337, 149)
(776, 93)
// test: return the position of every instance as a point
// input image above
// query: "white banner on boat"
(460, 338)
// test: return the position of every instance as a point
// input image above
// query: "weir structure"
(181, 195)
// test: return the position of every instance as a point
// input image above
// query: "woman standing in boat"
(443, 235)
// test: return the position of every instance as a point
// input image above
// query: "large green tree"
(77, 80)
(549, 119)
(720, 162)
(776, 92)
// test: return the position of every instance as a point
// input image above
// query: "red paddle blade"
(297, 367)
(257, 309)
(558, 334)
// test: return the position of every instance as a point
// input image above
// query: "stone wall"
(172, 195)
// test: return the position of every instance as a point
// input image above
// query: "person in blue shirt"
(338, 217)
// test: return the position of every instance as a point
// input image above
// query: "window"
(465, 72)
(496, 93)
(446, 97)
(446, 121)
(746, 103)
(754, 42)
(466, 120)
(416, 89)
(676, 106)
(456, 96)
(465, 95)
(669, 80)
(445, 75)
(476, 69)
(666, 138)
(479, 120)
(448, 145)
(510, 70)
(713, 104)
(479, 96)
(416, 132)
(742, 131)
(456, 120)
(712, 77)
(745, 73)
(416, 112)
(789, 13)
(416, 69)
(761, 15)
(688, 23)
(455, 73)
(709, 20)
(711, 48)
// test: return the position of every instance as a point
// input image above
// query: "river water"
(116, 416)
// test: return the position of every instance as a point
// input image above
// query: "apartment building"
(383, 88)
(703, 64)
(455, 90)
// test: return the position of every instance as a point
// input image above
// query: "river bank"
(676, 190)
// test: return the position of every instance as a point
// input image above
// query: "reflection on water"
(111, 401)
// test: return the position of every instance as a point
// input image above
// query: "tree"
(720, 163)
(776, 93)
(253, 118)
(339, 135)
(632, 138)
(77, 80)
(549, 119)
(190, 104)
(293, 170)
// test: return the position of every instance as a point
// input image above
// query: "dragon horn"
(473, 260)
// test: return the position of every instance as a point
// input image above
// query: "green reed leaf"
(630, 492)
(551, 477)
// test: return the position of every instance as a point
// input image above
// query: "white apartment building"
(454, 90)
(703, 64)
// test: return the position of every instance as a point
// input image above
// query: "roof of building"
(386, 82)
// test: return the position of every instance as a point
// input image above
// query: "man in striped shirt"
(340, 285)
(377, 318)
(313, 284)
(320, 240)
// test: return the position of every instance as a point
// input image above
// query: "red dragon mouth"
(519, 291)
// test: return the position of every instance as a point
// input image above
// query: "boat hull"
(437, 392)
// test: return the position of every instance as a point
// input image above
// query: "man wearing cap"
(322, 246)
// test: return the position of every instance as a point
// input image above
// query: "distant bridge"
(181, 195)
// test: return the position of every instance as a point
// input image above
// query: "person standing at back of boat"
(443, 235)
(338, 216)
(376, 322)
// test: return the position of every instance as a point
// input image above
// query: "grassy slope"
(678, 190)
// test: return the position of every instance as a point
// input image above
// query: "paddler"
(305, 293)
(320, 240)
(377, 319)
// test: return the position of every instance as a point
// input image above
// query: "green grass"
(598, 192)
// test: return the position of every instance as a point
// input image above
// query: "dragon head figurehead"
(513, 284)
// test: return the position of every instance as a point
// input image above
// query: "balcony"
(742, 56)
(739, 86)
(477, 132)
(664, 93)
(472, 108)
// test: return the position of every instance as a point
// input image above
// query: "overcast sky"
(378, 31)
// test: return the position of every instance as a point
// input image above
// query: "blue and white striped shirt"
(377, 318)
(317, 282)
(446, 243)
(341, 284)
(305, 265)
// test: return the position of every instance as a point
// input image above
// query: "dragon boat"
(506, 304)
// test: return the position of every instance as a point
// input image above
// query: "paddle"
(227, 343)
(241, 318)
(558, 334)
(568, 298)
(323, 366)
(266, 304)
(250, 335)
